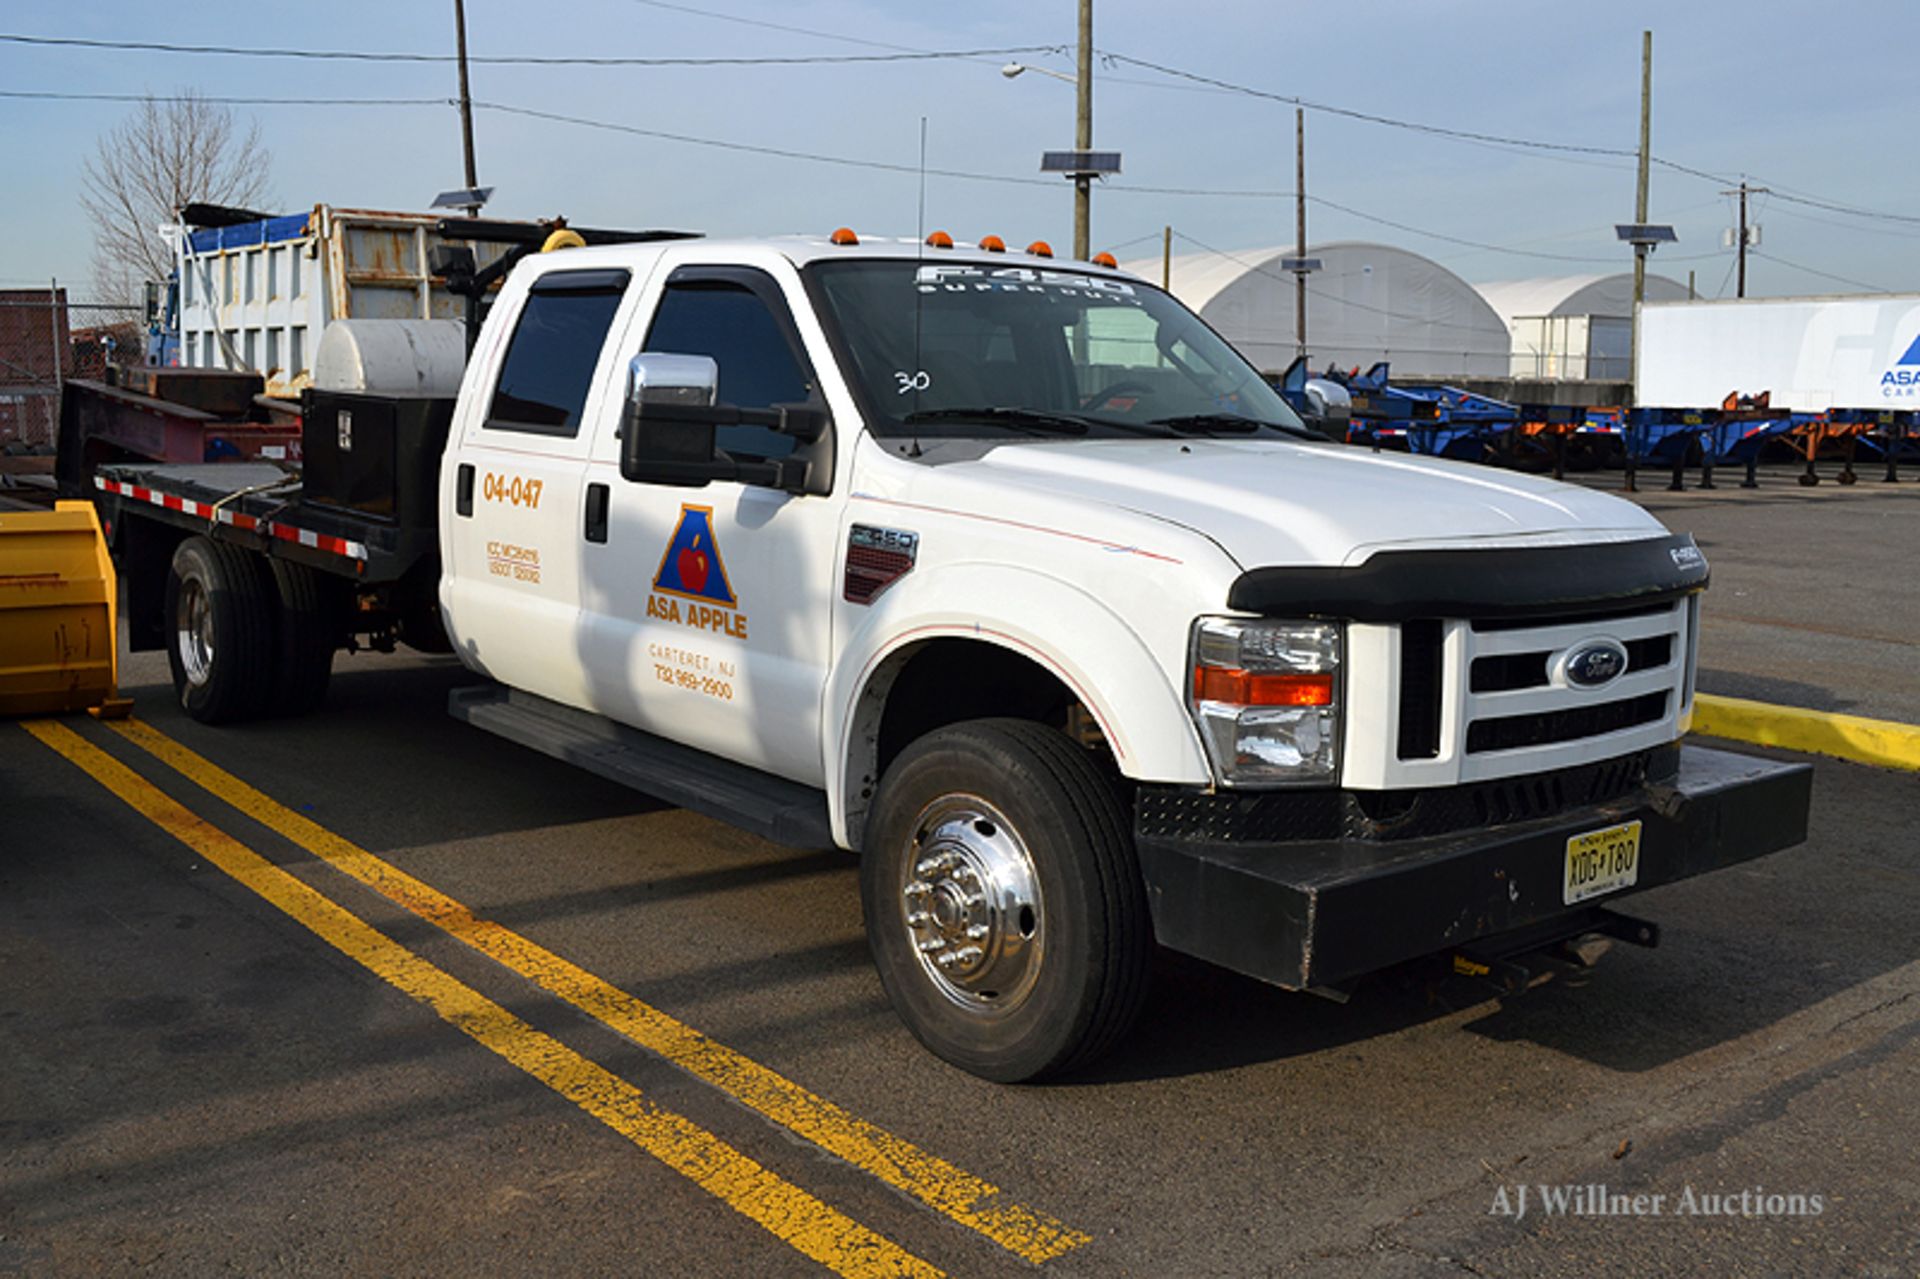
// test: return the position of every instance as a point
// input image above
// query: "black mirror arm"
(802, 422)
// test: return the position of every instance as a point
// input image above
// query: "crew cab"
(1010, 575)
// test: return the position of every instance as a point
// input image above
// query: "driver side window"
(758, 365)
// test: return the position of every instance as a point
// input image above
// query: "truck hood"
(1277, 502)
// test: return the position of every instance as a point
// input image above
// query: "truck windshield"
(968, 349)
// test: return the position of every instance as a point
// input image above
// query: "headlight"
(1266, 698)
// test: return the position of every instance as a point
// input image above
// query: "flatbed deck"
(261, 505)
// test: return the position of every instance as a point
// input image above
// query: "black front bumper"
(1322, 912)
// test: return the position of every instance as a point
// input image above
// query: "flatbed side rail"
(218, 513)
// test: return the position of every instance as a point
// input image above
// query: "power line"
(1850, 211)
(1454, 239)
(1293, 100)
(1825, 275)
(808, 156)
(49, 95)
(1493, 139)
(900, 53)
(852, 162)
(529, 60)
(1896, 232)
(770, 26)
(753, 149)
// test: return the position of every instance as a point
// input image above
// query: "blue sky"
(1817, 102)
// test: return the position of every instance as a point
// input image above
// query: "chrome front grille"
(1474, 700)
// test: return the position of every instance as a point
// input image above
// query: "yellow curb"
(1882, 742)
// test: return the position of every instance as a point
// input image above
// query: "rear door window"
(555, 347)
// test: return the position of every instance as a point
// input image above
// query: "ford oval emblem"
(1595, 663)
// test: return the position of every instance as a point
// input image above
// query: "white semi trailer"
(1812, 354)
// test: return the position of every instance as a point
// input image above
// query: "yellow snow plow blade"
(58, 612)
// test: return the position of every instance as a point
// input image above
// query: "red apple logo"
(692, 565)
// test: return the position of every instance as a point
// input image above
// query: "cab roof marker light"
(993, 244)
(1040, 249)
(844, 236)
(939, 240)
(1106, 259)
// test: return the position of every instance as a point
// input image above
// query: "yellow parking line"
(940, 1185)
(789, 1213)
(1884, 742)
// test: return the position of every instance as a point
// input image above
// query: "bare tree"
(170, 152)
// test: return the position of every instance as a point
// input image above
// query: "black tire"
(1072, 945)
(219, 624)
(307, 630)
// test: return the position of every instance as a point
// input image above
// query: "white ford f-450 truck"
(1012, 576)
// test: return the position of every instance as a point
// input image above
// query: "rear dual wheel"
(1004, 904)
(248, 636)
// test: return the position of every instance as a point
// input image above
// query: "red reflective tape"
(252, 524)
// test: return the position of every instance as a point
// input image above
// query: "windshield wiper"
(1231, 423)
(1032, 419)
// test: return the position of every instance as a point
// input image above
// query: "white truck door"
(707, 611)
(516, 529)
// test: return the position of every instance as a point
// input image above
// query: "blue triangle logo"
(1913, 353)
(691, 567)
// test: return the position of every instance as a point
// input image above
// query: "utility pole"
(1640, 189)
(1300, 229)
(1740, 288)
(466, 101)
(1744, 235)
(1166, 258)
(1083, 137)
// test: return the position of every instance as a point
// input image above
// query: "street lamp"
(1013, 69)
(1082, 164)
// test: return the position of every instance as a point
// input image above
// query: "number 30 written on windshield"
(913, 381)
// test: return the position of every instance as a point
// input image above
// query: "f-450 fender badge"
(876, 559)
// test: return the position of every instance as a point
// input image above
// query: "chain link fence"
(47, 340)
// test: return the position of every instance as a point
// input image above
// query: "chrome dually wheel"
(1004, 904)
(973, 906)
(193, 631)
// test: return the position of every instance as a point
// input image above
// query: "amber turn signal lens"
(1245, 688)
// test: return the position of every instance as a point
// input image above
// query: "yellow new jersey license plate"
(1602, 861)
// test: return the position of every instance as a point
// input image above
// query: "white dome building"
(1577, 327)
(1367, 302)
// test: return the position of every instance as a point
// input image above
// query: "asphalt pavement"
(367, 993)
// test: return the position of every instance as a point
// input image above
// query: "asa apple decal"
(692, 564)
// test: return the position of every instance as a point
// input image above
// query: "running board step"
(770, 807)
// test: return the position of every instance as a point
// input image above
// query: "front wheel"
(1004, 904)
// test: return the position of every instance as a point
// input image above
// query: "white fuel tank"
(392, 357)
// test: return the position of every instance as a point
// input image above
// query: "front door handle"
(597, 499)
